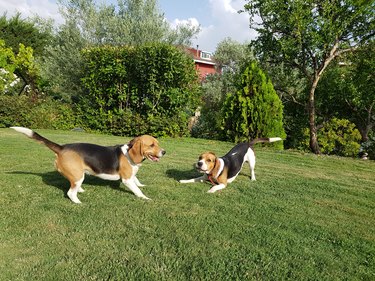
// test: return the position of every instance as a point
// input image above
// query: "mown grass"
(306, 217)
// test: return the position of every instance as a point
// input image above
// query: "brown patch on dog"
(126, 171)
(70, 164)
(223, 178)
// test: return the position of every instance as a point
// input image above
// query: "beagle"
(223, 170)
(107, 162)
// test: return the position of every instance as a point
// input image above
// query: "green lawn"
(306, 217)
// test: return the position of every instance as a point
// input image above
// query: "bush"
(136, 90)
(42, 114)
(255, 110)
(209, 117)
(338, 137)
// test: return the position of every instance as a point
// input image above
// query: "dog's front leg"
(199, 179)
(216, 188)
(130, 183)
(137, 182)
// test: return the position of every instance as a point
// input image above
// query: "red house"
(204, 62)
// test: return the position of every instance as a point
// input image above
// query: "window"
(206, 55)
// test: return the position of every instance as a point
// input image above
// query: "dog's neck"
(220, 169)
(125, 149)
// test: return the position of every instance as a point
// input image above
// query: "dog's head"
(143, 147)
(206, 162)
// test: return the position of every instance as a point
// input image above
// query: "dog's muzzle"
(199, 166)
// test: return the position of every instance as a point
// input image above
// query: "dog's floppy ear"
(216, 168)
(136, 150)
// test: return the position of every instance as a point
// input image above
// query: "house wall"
(205, 69)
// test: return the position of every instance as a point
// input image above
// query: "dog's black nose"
(199, 164)
(163, 152)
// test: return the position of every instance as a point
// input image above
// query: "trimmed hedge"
(151, 89)
(42, 113)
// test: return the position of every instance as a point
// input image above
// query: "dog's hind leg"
(250, 157)
(71, 166)
(74, 188)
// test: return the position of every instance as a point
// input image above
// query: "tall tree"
(254, 110)
(347, 91)
(88, 24)
(16, 30)
(308, 35)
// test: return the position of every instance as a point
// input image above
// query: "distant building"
(204, 62)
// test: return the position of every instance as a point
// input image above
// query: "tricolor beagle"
(106, 162)
(223, 170)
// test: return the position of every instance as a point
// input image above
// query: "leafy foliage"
(347, 90)
(136, 90)
(307, 36)
(15, 67)
(230, 57)
(89, 24)
(7, 66)
(254, 110)
(16, 30)
(209, 119)
(339, 137)
(42, 113)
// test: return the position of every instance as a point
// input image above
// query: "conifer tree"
(255, 110)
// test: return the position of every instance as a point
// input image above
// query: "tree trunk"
(364, 131)
(314, 146)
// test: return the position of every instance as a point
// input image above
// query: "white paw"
(73, 197)
(81, 190)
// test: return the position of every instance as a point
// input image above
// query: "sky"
(218, 19)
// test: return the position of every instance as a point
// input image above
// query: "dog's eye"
(152, 145)
(209, 160)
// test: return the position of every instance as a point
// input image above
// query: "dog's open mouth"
(153, 158)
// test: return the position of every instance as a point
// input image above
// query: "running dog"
(120, 162)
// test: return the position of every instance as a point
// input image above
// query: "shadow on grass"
(182, 175)
(54, 179)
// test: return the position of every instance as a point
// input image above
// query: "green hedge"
(136, 90)
(42, 113)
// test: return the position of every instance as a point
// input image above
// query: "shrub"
(255, 110)
(135, 90)
(337, 136)
(46, 113)
(209, 119)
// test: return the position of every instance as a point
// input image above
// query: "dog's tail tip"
(23, 130)
(275, 139)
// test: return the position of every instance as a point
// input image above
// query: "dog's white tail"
(23, 130)
(275, 139)
(33, 135)
(262, 140)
